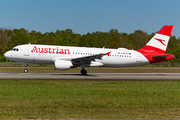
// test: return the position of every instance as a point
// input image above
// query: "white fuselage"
(32, 53)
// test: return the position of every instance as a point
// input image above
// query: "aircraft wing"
(91, 57)
(88, 60)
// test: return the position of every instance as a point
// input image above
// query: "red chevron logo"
(161, 41)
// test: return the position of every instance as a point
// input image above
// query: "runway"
(92, 76)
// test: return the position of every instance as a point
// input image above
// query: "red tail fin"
(155, 49)
(160, 41)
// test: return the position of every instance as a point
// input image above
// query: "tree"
(20, 37)
(113, 39)
(5, 38)
(140, 39)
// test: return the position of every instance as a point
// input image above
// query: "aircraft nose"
(6, 55)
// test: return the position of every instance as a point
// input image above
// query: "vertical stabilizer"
(160, 40)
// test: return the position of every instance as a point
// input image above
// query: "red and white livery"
(66, 57)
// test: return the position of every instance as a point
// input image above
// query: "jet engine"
(62, 65)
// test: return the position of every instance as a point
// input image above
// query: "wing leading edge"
(89, 60)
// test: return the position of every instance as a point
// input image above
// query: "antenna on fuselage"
(30, 43)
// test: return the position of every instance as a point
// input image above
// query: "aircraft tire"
(83, 72)
(25, 70)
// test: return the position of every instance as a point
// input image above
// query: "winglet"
(108, 53)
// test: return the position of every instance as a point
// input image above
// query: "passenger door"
(26, 50)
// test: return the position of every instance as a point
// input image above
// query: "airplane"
(67, 57)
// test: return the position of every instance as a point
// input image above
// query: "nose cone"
(6, 55)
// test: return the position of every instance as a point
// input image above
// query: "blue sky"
(83, 16)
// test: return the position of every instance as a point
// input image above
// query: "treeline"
(112, 39)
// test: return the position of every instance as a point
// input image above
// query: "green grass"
(89, 99)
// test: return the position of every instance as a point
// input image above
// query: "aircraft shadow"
(74, 75)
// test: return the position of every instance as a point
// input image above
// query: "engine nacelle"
(62, 65)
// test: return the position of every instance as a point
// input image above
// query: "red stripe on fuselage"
(150, 49)
(149, 52)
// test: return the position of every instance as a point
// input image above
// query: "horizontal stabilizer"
(161, 56)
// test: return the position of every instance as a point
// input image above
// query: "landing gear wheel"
(83, 72)
(25, 70)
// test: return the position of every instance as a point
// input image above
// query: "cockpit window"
(15, 49)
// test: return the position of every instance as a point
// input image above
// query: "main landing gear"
(26, 70)
(83, 71)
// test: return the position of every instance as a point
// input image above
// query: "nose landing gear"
(26, 70)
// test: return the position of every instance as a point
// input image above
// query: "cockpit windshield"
(15, 49)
